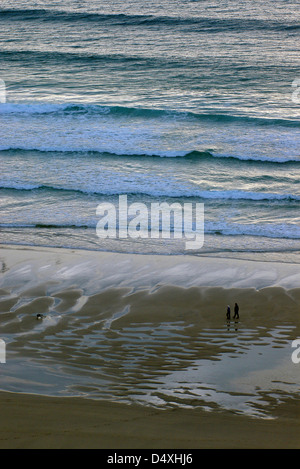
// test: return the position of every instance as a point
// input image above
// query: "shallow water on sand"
(162, 346)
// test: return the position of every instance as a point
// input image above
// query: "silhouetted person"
(236, 311)
(228, 313)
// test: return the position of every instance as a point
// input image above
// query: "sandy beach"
(41, 422)
(134, 351)
(150, 225)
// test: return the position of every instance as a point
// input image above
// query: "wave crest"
(207, 24)
(200, 194)
(75, 109)
(196, 154)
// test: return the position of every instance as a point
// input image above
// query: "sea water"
(172, 101)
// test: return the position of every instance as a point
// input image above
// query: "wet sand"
(44, 422)
(144, 325)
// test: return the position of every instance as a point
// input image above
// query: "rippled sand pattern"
(162, 346)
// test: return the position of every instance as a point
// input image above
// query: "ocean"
(179, 101)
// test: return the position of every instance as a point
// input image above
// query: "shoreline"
(285, 256)
(196, 270)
